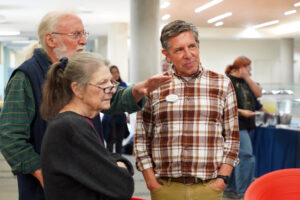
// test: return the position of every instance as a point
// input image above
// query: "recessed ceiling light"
(9, 33)
(217, 18)
(266, 24)
(297, 4)
(165, 4)
(207, 5)
(165, 17)
(219, 23)
(290, 12)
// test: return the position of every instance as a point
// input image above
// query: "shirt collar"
(194, 76)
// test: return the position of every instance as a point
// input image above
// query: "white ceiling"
(25, 15)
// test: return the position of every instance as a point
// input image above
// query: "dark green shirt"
(18, 113)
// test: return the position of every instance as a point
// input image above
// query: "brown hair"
(239, 62)
(175, 28)
(57, 90)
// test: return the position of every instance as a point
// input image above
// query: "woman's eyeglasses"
(108, 89)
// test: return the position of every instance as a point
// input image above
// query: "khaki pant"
(180, 191)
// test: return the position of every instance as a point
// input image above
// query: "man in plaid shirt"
(187, 135)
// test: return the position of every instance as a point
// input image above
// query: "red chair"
(282, 184)
(137, 198)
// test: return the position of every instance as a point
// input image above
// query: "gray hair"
(174, 28)
(82, 66)
(57, 91)
(48, 24)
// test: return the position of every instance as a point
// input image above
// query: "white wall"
(265, 54)
(297, 61)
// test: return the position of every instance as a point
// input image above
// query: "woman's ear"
(77, 91)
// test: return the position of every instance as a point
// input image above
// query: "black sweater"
(245, 100)
(76, 165)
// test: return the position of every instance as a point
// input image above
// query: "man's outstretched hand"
(147, 86)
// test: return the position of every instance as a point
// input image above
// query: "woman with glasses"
(75, 163)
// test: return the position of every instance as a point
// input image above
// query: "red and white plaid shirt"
(192, 136)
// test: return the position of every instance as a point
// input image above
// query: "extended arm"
(145, 87)
(132, 99)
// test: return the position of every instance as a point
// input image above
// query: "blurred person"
(115, 126)
(61, 34)
(187, 138)
(247, 92)
(75, 163)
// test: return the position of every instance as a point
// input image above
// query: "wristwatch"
(225, 178)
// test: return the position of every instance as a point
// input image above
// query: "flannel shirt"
(192, 136)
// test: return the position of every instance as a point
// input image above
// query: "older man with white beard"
(21, 126)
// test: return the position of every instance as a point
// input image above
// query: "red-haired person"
(247, 91)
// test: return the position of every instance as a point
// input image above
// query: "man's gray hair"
(174, 28)
(48, 24)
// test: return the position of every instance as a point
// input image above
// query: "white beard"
(60, 52)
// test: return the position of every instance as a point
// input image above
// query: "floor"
(8, 183)
(9, 191)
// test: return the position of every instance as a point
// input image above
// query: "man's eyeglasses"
(108, 89)
(75, 35)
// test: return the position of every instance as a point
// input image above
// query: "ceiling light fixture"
(249, 33)
(165, 17)
(217, 18)
(9, 33)
(165, 4)
(219, 24)
(266, 24)
(297, 4)
(207, 5)
(287, 28)
(290, 12)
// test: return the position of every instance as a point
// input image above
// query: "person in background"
(247, 92)
(75, 163)
(61, 34)
(187, 138)
(115, 126)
